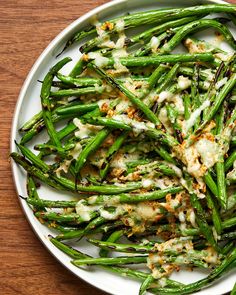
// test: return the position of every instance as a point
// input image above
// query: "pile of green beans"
(147, 148)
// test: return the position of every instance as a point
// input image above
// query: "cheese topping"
(193, 117)
(208, 150)
(184, 82)
(85, 130)
(221, 83)
(165, 95)
(154, 43)
(99, 60)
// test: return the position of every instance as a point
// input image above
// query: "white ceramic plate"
(29, 104)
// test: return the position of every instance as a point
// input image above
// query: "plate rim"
(52, 45)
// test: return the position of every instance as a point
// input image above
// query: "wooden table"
(26, 28)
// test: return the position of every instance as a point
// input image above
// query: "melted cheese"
(120, 160)
(76, 151)
(119, 67)
(111, 215)
(190, 157)
(223, 56)
(208, 150)
(120, 25)
(83, 210)
(193, 117)
(184, 82)
(177, 170)
(212, 257)
(154, 43)
(146, 212)
(192, 218)
(137, 126)
(84, 129)
(165, 95)
(194, 47)
(176, 244)
(221, 83)
(164, 120)
(181, 216)
(146, 183)
(122, 106)
(99, 60)
(63, 167)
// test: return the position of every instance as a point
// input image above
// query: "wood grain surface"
(26, 28)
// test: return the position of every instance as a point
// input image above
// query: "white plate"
(29, 104)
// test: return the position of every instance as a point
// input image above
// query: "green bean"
(48, 149)
(38, 203)
(39, 126)
(229, 223)
(201, 221)
(215, 214)
(164, 154)
(76, 109)
(190, 72)
(114, 237)
(135, 100)
(79, 82)
(129, 248)
(220, 170)
(161, 136)
(230, 160)
(218, 101)
(91, 147)
(154, 78)
(155, 60)
(169, 77)
(66, 217)
(147, 35)
(110, 261)
(64, 132)
(227, 264)
(75, 254)
(228, 248)
(107, 122)
(173, 115)
(94, 223)
(68, 129)
(211, 183)
(77, 69)
(77, 91)
(135, 198)
(145, 284)
(32, 121)
(196, 26)
(143, 51)
(195, 93)
(78, 233)
(157, 16)
(31, 188)
(33, 158)
(110, 154)
(228, 236)
(45, 94)
(62, 183)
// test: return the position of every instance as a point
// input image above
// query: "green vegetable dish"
(144, 138)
